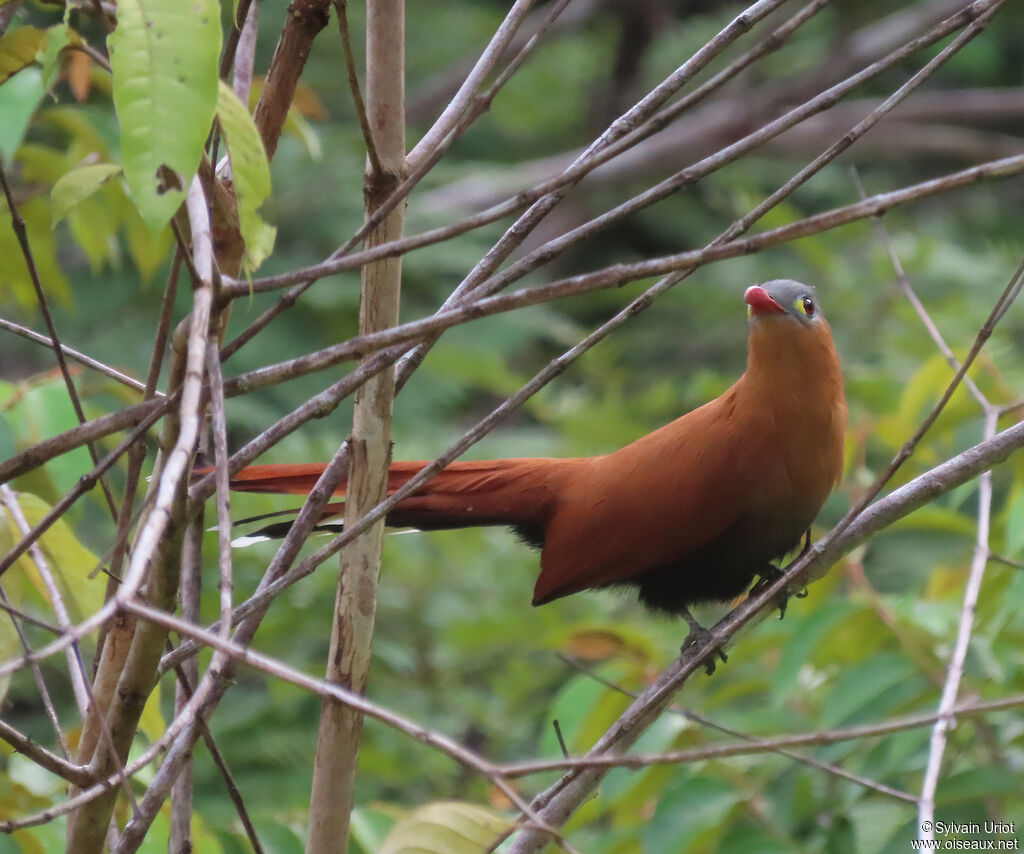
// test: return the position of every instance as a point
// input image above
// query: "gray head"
(784, 296)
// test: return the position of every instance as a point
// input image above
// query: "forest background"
(885, 635)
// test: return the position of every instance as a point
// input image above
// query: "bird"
(691, 513)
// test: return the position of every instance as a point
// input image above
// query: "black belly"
(719, 572)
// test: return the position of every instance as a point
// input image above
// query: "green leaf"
(77, 185)
(369, 826)
(1015, 520)
(152, 721)
(19, 97)
(250, 172)
(690, 816)
(876, 822)
(861, 684)
(805, 642)
(164, 57)
(57, 38)
(978, 784)
(446, 827)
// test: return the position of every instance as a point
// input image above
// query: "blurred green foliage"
(457, 647)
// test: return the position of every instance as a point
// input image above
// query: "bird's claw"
(700, 637)
(768, 576)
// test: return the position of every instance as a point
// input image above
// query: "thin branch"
(339, 260)
(908, 291)
(471, 85)
(954, 674)
(81, 358)
(770, 744)
(137, 451)
(749, 739)
(18, 225)
(32, 659)
(512, 237)
(1005, 561)
(85, 483)
(48, 449)
(622, 274)
(222, 767)
(128, 679)
(42, 757)
(191, 590)
(76, 670)
(239, 654)
(221, 457)
(341, 7)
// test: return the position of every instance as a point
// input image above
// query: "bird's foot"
(768, 576)
(700, 636)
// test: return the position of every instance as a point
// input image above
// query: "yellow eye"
(805, 305)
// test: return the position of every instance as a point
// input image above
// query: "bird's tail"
(518, 492)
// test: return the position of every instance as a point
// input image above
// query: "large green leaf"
(19, 97)
(164, 57)
(250, 172)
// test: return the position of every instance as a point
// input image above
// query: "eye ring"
(807, 306)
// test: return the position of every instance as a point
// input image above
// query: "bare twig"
(946, 718)
(621, 274)
(76, 673)
(771, 744)
(81, 358)
(18, 224)
(341, 7)
(472, 84)
(750, 740)
(234, 652)
(37, 674)
(339, 260)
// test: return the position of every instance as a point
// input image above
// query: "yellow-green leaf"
(152, 721)
(164, 57)
(445, 827)
(250, 172)
(70, 561)
(18, 48)
(14, 277)
(77, 185)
